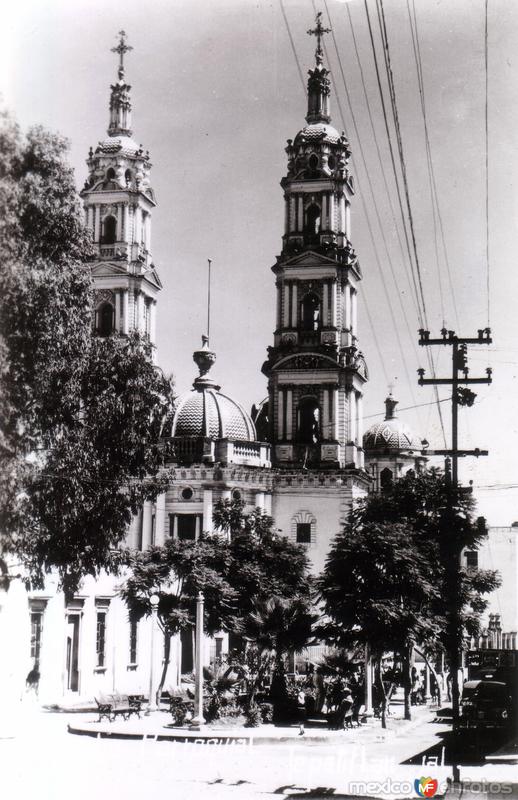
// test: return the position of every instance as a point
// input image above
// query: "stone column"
(146, 524)
(207, 510)
(354, 311)
(359, 419)
(347, 306)
(286, 309)
(333, 304)
(294, 301)
(325, 305)
(325, 415)
(292, 217)
(301, 213)
(343, 223)
(119, 222)
(335, 415)
(289, 414)
(125, 311)
(268, 503)
(280, 414)
(226, 494)
(279, 307)
(160, 519)
(259, 500)
(331, 212)
(348, 220)
(97, 224)
(286, 214)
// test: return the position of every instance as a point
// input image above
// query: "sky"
(216, 92)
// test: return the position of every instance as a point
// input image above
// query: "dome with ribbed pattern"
(205, 412)
(391, 434)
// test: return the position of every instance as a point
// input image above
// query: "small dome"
(205, 412)
(124, 145)
(391, 434)
(318, 131)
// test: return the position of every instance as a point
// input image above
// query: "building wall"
(500, 552)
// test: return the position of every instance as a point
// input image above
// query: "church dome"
(317, 132)
(123, 145)
(205, 412)
(391, 434)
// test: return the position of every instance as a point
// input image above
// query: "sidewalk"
(158, 727)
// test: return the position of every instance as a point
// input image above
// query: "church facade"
(299, 456)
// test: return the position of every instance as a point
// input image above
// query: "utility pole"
(460, 397)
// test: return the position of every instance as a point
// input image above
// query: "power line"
(486, 64)
(392, 94)
(431, 171)
(375, 204)
(293, 46)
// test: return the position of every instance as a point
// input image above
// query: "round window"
(331, 162)
(313, 162)
(236, 494)
(187, 493)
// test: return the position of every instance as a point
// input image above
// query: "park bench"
(118, 705)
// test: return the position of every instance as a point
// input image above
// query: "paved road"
(44, 762)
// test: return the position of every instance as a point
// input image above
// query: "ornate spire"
(120, 104)
(318, 82)
(204, 359)
(390, 407)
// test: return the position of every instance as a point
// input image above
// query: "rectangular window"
(133, 640)
(186, 526)
(171, 525)
(471, 558)
(100, 640)
(304, 532)
(36, 629)
(153, 528)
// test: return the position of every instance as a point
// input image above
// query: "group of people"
(339, 699)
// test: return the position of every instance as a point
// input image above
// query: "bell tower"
(118, 203)
(315, 369)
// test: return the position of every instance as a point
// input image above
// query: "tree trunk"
(381, 690)
(433, 671)
(167, 658)
(406, 663)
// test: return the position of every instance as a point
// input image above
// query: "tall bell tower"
(315, 369)
(118, 202)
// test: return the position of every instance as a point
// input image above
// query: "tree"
(387, 578)
(80, 417)
(265, 563)
(177, 572)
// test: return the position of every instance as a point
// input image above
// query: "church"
(301, 454)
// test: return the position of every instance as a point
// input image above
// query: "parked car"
(485, 705)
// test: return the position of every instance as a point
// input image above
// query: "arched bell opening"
(109, 230)
(308, 421)
(310, 312)
(105, 319)
(312, 224)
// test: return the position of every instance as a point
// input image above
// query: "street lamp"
(198, 720)
(152, 705)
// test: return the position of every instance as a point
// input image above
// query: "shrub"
(266, 712)
(253, 717)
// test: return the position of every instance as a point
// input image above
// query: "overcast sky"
(216, 93)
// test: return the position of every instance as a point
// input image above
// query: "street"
(46, 762)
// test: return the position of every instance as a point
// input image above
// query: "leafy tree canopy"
(80, 416)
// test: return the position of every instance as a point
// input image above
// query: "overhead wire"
(431, 169)
(399, 140)
(413, 294)
(486, 65)
(299, 68)
(375, 205)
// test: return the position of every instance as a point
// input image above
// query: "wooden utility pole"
(460, 397)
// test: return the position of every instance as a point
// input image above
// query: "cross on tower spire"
(121, 49)
(319, 31)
